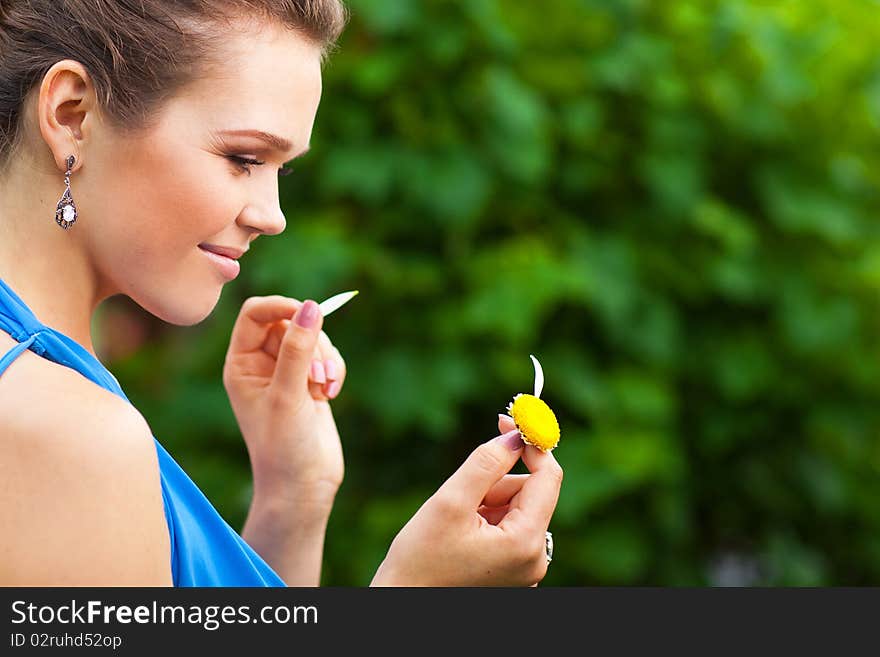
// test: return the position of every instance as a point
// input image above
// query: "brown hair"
(139, 53)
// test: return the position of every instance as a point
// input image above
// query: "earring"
(65, 211)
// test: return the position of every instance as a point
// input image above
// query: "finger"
(332, 368)
(505, 423)
(326, 373)
(493, 514)
(540, 492)
(297, 349)
(323, 351)
(505, 489)
(324, 354)
(486, 465)
(332, 388)
(343, 368)
(325, 346)
(317, 376)
(317, 372)
(335, 368)
(316, 391)
(275, 336)
(256, 317)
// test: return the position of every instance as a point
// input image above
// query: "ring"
(548, 546)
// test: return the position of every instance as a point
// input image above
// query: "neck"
(46, 265)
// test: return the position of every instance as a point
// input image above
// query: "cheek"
(192, 205)
(169, 212)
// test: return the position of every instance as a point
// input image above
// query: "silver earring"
(65, 211)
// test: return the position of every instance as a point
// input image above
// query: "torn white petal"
(539, 376)
(336, 301)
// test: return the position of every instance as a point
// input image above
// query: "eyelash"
(245, 163)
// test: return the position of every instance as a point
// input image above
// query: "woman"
(137, 147)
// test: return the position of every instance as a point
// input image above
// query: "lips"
(228, 266)
(228, 251)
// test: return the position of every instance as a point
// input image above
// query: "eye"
(245, 164)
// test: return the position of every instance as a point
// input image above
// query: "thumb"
(297, 349)
(505, 423)
(485, 466)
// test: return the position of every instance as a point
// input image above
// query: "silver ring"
(548, 546)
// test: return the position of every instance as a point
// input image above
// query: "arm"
(280, 373)
(289, 535)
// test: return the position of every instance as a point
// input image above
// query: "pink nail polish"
(307, 315)
(512, 439)
(333, 390)
(318, 372)
(330, 369)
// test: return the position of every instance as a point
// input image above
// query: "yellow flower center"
(535, 421)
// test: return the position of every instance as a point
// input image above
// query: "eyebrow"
(280, 144)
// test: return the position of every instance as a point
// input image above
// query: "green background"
(672, 204)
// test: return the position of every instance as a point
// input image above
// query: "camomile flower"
(534, 419)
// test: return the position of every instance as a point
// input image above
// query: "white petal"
(336, 301)
(539, 376)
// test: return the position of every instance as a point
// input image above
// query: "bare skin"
(145, 203)
(80, 500)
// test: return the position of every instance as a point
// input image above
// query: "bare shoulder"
(80, 499)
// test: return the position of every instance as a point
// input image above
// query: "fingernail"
(307, 315)
(318, 372)
(512, 439)
(330, 369)
(501, 416)
(333, 390)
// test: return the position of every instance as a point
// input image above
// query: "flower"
(336, 301)
(533, 417)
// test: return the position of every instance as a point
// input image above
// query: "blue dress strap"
(13, 353)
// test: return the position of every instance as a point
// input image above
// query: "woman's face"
(162, 195)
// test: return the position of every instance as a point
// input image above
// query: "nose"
(264, 217)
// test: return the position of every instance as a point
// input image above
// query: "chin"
(183, 308)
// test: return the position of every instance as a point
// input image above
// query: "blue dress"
(205, 549)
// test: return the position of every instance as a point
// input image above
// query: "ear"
(66, 110)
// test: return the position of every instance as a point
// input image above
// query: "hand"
(482, 527)
(279, 376)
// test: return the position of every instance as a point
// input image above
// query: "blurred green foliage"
(672, 204)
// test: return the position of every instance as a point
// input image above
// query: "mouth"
(228, 266)
(225, 251)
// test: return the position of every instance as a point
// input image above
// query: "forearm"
(290, 537)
